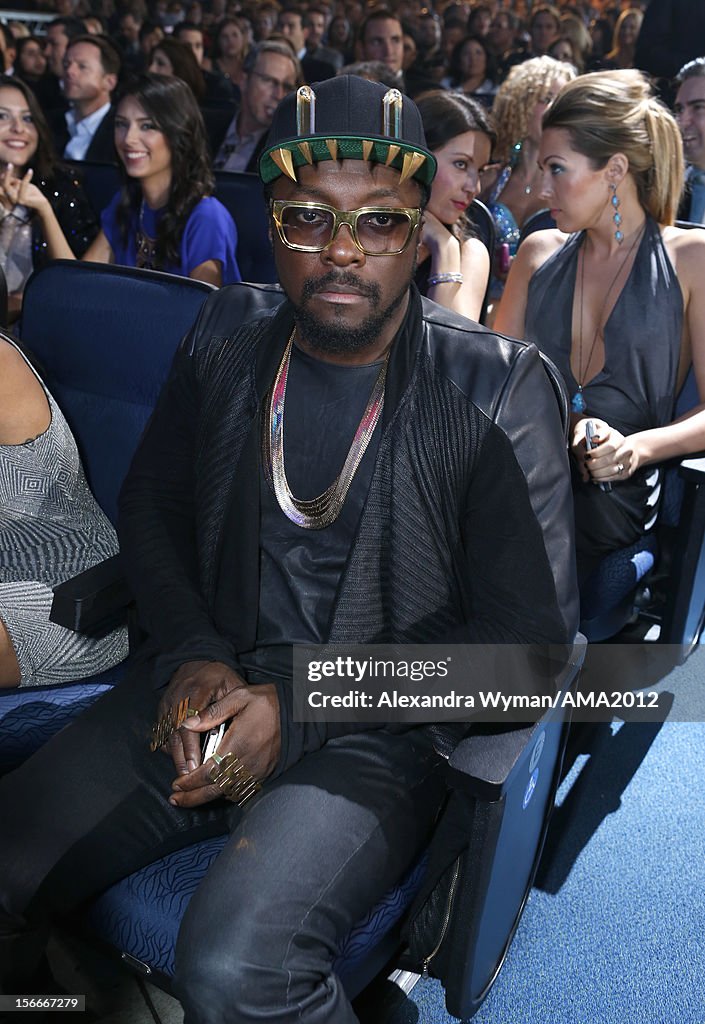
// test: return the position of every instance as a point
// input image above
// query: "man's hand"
(254, 736)
(204, 683)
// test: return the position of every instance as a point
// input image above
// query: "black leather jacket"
(467, 531)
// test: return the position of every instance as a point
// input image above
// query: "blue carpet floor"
(614, 931)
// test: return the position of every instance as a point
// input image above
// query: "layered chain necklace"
(315, 513)
(577, 402)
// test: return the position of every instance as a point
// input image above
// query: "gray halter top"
(634, 391)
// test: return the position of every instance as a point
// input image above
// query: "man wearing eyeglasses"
(271, 71)
(359, 466)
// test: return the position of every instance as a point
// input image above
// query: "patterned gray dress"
(51, 528)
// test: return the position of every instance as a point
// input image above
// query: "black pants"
(306, 859)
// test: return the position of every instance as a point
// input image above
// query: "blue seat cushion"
(31, 715)
(141, 915)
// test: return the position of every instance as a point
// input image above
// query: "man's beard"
(336, 339)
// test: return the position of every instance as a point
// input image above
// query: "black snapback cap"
(347, 118)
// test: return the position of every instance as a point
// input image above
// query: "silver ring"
(620, 467)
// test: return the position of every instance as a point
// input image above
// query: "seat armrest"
(94, 599)
(485, 763)
(693, 470)
(684, 609)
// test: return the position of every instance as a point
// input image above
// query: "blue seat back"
(105, 338)
(483, 222)
(539, 221)
(242, 196)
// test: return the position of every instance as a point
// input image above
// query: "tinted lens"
(378, 232)
(307, 227)
(382, 232)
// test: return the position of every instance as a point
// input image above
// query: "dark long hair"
(454, 69)
(184, 63)
(43, 163)
(445, 115)
(172, 106)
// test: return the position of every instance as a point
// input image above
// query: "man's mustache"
(345, 278)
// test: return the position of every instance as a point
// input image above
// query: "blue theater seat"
(104, 338)
(142, 914)
(242, 196)
(483, 222)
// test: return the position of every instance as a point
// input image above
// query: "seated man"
(91, 71)
(271, 71)
(242, 536)
(689, 109)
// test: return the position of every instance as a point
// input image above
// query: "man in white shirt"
(91, 69)
(689, 109)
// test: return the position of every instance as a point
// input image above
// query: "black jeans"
(306, 859)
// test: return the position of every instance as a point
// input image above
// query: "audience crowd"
(239, 58)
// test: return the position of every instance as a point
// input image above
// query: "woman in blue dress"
(619, 305)
(165, 216)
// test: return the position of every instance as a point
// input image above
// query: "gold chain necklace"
(314, 513)
(577, 402)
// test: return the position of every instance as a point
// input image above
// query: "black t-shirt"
(300, 569)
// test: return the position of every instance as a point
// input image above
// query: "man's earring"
(617, 217)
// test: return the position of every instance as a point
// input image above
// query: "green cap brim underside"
(348, 148)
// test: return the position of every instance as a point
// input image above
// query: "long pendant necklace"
(146, 246)
(577, 402)
(315, 513)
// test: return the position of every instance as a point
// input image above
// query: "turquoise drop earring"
(617, 218)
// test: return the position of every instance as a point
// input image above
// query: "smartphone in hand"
(590, 444)
(211, 741)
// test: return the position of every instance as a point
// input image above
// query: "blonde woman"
(518, 107)
(626, 33)
(619, 306)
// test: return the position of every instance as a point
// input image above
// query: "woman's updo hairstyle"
(610, 112)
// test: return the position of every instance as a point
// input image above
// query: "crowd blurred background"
(70, 63)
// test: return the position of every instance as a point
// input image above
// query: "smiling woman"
(164, 217)
(26, 152)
